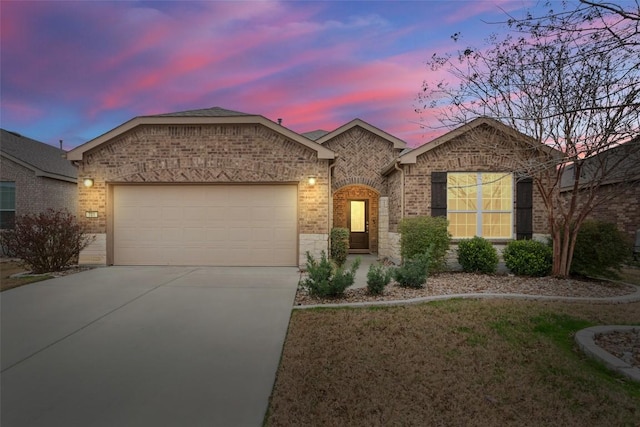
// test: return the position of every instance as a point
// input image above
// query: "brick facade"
(248, 152)
(460, 154)
(360, 157)
(240, 153)
(35, 194)
(621, 207)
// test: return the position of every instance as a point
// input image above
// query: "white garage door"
(223, 225)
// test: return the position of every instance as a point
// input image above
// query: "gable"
(459, 133)
(176, 119)
(397, 142)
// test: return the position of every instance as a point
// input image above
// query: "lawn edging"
(622, 299)
(585, 340)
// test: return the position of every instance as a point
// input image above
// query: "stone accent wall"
(393, 252)
(361, 156)
(341, 209)
(314, 244)
(389, 242)
(461, 155)
(244, 153)
(35, 194)
(395, 182)
(96, 252)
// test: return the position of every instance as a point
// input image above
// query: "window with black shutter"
(438, 194)
(524, 208)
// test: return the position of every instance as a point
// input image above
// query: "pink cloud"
(22, 112)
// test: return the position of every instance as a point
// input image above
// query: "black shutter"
(524, 208)
(438, 194)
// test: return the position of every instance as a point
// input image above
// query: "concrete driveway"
(144, 346)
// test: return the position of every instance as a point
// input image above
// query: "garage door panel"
(172, 235)
(205, 225)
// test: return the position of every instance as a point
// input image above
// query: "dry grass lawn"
(450, 363)
(9, 268)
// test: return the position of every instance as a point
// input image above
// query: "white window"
(480, 204)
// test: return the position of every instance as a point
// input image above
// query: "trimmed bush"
(477, 255)
(528, 258)
(339, 245)
(46, 242)
(324, 279)
(422, 234)
(378, 277)
(413, 273)
(600, 251)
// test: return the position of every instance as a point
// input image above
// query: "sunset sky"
(73, 70)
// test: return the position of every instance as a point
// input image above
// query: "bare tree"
(615, 26)
(569, 84)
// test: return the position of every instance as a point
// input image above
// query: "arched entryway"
(355, 207)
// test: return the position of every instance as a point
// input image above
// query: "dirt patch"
(457, 362)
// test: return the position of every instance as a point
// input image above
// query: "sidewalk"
(365, 261)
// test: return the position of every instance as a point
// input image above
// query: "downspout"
(332, 164)
(401, 188)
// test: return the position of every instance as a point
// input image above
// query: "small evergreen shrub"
(422, 234)
(343, 278)
(324, 279)
(477, 255)
(413, 273)
(339, 245)
(47, 241)
(378, 277)
(601, 250)
(528, 258)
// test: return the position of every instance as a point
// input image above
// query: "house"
(220, 187)
(33, 177)
(611, 180)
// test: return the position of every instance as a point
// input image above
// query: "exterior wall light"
(312, 180)
(88, 182)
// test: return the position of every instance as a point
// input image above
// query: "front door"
(358, 223)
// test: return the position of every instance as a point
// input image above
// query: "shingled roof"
(45, 160)
(206, 112)
(615, 165)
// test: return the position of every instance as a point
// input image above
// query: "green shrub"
(528, 258)
(324, 279)
(600, 251)
(378, 277)
(477, 255)
(47, 241)
(339, 245)
(413, 273)
(422, 234)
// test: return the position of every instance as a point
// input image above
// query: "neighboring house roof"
(617, 164)
(215, 115)
(43, 159)
(397, 142)
(412, 155)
